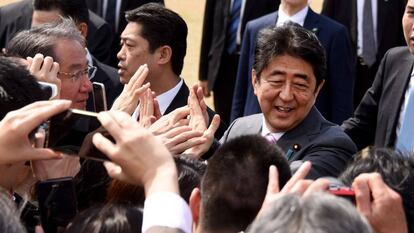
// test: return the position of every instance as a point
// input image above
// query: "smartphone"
(70, 128)
(50, 88)
(57, 203)
(342, 191)
(99, 97)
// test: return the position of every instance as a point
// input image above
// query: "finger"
(40, 138)
(114, 171)
(29, 62)
(215, 124)
(105, 145)
(141, 90)
(123, 119)
(273, 185)
(157, 111)
(36, 63)
(177, 130)
(319, 185)
(180, 113)
(194, 142)
(376, 184)
(362, 194)
(47, 65)
(55, 69)
(182, 122)
(301, 186)
(43, 154)
(300, 174)
(111, 123)
(135, 77)
(141, 78)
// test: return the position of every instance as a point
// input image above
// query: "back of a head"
(234, 185)
(290, 39)
(396, 169)
(160, 27)
(18, 87)
(315, 213)
(9, 218)
(42, 39)
(107, 219)
(189, 177)
(75, 9)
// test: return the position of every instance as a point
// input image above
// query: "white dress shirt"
(298, 18)
(410, 88)
(266, 131)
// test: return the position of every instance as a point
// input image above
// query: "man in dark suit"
(222, 30)
(115, 17)
(287, 77)
(18, 16)
(380, 116)
(335, 99)
(386, 24)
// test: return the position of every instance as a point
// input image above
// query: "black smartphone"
(57, 203)
(70, 128)
(99, 97)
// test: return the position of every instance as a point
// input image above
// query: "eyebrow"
(298, 75)
(410, 7)
(78, 65)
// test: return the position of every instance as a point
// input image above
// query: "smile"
(283, 109)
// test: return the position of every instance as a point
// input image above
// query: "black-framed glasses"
(75, 76)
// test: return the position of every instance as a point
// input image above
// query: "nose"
(286, 93)
(86, 85)
(121, 55)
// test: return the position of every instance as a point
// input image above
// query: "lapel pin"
(296, 147)
(315, 30)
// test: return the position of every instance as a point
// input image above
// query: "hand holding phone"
(99, 97)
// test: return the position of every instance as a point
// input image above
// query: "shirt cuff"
(167, 210)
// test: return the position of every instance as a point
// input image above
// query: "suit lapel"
(291, 142)
(180, 99)
(312, 22)
(403, 76)
(354, 21)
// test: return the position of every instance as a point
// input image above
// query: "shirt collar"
(266, 131)
(298, 18)
(167, 97)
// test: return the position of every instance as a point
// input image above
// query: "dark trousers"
(363, 81)
(224, 86)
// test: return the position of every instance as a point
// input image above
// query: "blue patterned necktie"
(231, 35)
(369, 48)
(110, 13)
(405, 140)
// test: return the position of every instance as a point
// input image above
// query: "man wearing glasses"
(60, 42)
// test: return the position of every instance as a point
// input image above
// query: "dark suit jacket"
(389, 15)
(376, 118)
(318, 140)
(17, 16)
(109, 77)
(335, 98)
(216, 19)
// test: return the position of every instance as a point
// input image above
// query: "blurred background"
(192, 11)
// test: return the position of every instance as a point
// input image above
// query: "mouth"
(283, 109)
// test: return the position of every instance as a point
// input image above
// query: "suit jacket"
(216, 19)
(389, 15)
(314, 139)
(335, 98)
(109, 77)
(376, 118)
(17, 16)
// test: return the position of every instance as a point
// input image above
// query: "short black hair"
(235, 182)
(161, 26)
(396, 169)
(112, 218)
(18, 87)
(293, 40)
(75, 9)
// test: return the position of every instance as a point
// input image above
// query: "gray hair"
(315, 213)
(42, 39)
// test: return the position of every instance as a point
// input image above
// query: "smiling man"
(287, 77)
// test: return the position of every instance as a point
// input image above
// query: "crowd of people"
(294, 148)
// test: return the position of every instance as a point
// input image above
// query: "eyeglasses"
(75, 76)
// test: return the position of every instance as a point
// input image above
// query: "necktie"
(405, 141)
(110, 13)
(231, 35)
(369, 48)
(270, 138)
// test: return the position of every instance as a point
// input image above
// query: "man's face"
(72, 58)
(42, 17)
(286, 92)
(408, 25)
(134, 52)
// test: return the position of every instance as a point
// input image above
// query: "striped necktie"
(231, 35)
